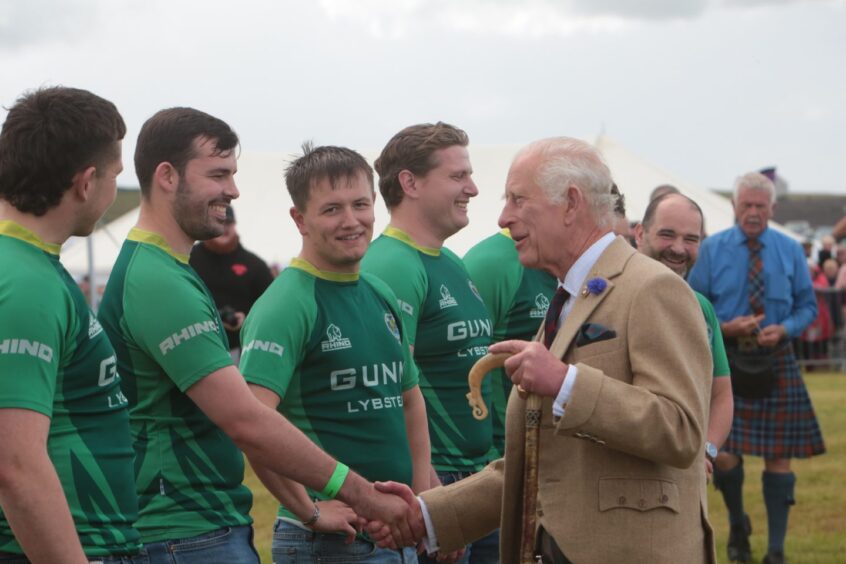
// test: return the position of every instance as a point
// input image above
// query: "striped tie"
(756, 277)
(550, 324)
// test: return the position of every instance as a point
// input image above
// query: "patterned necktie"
(550, 324)
(756, 277)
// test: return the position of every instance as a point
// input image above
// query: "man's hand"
(742, 325)
(396, 513)
(771, 335)
(532, 367)
(336, 517)
(382, 534)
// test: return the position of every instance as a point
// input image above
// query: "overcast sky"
(706, 89)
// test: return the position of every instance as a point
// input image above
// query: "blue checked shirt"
(721, 275)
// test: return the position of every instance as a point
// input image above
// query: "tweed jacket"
(621, 475)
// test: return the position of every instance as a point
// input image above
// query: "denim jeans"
(7, 558)
(230, 545)
(484, 550)
(295, 545)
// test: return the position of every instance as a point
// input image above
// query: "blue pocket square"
(593, 333)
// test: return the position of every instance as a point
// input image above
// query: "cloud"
(394, 19)
(33, 22)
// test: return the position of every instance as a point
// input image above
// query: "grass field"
(817, 531)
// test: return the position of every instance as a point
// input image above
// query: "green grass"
(817, 530)
(817, 527)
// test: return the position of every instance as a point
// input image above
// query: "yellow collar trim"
(401, 235)
(141, 236)
(17, 231)
(324, 274)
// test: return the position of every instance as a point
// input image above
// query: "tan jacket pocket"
(640, 494)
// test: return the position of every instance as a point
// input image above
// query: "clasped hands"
(391, 516)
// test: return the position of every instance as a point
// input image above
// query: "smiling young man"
(66, 476)
(425, 178)
(326, 346)
(191, 409)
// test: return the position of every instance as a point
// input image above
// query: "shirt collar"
(306, 266)
(400, 235)
(17, 231)
(740, 238)
(156, 240)
(578, 272)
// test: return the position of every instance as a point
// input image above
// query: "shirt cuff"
(565, 392)
(430, 541)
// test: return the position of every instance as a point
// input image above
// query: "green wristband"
(333, 486)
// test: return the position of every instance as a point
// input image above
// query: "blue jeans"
(230, 545)
(294, 545)
(7, 558)
(483, 551)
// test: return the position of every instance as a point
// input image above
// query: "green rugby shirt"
(55, 359)
(450, 329)
(517, 299)
(168, 336)
(331, 346)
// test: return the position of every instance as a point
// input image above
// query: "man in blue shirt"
(758, 281)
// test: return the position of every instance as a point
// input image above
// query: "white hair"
(754, 181)
(569, 162)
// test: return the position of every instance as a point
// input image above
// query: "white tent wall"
(266, 228)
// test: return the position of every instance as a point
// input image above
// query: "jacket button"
(641, 503)
(664, 499)
(621, 500)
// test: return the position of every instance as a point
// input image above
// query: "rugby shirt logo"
(446, 298)
(475, 290)
(336, 340)
(391, 322)
(541, 307)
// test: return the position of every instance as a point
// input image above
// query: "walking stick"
(530, 464)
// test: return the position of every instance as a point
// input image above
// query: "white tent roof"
(267, 229)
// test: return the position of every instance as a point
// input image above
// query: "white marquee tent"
(267, 229)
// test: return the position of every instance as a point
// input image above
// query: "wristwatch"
(710, 451)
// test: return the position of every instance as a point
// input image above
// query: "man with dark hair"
(662, 190)
(66, 460)
(235, 277)
(670, 233)
(759, 283)
(190, 407)
(322, 318)
(623, 377)
(425, 177)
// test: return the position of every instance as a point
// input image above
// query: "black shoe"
(738, 543)
(774, 558)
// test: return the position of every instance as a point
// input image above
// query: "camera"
(228, 315)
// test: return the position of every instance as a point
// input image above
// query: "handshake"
(391, 515)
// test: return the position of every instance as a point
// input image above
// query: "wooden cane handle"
(474, 379)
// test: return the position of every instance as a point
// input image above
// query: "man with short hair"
(66, 460)
(191, 409)
(758, 281)
(235, 277)
(624, 377)
(670, 233)
(425, 178)
(326, 346)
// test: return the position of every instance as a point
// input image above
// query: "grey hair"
(569, 162)
(754, 181)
